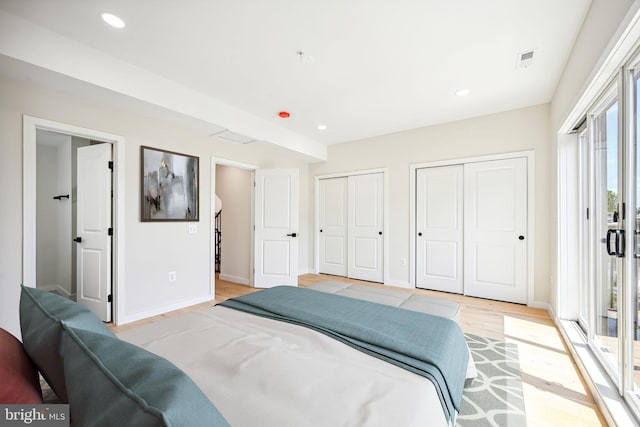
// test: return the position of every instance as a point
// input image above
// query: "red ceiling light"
(284, 115)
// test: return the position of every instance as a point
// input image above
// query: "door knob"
(520, 237)
(321, 230)
(78, 239)
(292, 235)
(380, 233)
(420, 234)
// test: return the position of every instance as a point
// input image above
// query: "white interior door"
(495, 229)
(365, 226)
(276, 228)
(333, 226)
(439, 228)
(93, 229)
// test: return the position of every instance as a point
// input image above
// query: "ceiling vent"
(234, 137)
(525, 59)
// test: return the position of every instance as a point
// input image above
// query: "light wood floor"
(554, 391)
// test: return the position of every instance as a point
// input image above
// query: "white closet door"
(365, 227)
(333, 226)
(439, 231)
(495, 222)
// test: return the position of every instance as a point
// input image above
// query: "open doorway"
(56, 211)
(44, 160)
(232, 250)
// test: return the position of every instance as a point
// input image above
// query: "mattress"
(422, 303)
(259, 371)
(408, 301)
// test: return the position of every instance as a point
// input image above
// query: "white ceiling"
(370, 67)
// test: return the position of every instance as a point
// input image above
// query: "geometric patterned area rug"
(494, 398)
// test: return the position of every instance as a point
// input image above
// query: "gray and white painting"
(169, 186)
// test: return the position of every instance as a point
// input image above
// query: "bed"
(241, 369)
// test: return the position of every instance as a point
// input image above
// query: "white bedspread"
(261, 372)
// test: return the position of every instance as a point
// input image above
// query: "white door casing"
(93, 224)
(495, 229)
(439, 228)
(365, 227)
(276, 228)
(333, 226)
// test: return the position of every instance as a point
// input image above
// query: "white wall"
(518, 130)
(233, 186)
(151, 249)
(53, 224)
(63, 220)
(46, 224)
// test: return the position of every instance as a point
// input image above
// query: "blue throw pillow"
(41, 314)
(115, 383)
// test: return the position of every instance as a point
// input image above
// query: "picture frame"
(169, 184)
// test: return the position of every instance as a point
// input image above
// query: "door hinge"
(587, 214)
(110, 231)
(110, 165)
(110, 298)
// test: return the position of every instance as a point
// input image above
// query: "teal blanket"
(427, 345)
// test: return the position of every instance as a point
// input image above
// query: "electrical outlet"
(193, 228)
(403, 261)
(173, 276)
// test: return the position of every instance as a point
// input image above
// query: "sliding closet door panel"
(365, 214)
(495, 222)
(439, 231)
(333, 226)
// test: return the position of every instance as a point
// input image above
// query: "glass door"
(583, 235)
(609, 239)
(634, 226)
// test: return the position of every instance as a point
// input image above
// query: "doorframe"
(29, 126)
(385, 222)
(212, 252)
(530, 156)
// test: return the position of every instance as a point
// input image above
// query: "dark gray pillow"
(41, 314)
(112, 382)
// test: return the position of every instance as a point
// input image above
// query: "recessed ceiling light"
(322, 127)
(463, 92)
(112, 20)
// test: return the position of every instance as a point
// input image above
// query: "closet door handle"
(292, 235)
(78, 239)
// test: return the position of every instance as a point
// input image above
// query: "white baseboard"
(48, 287)
(234, 279)
(162, 310)
(65, 292)
(542, 305)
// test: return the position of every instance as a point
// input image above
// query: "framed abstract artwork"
(169, 186)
